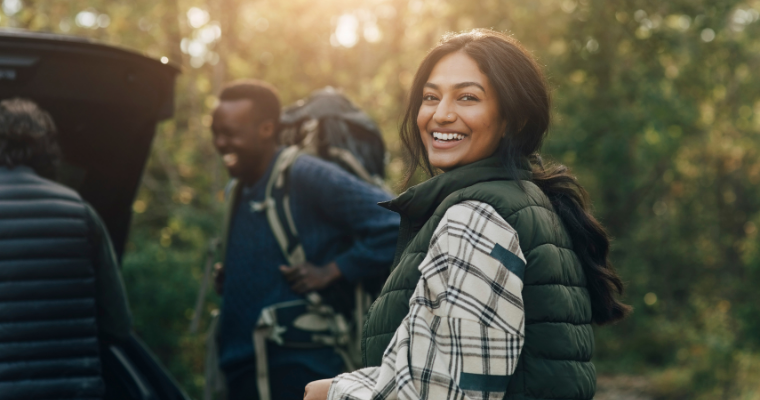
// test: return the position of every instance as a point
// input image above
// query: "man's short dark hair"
(263, 95)
(27, 136)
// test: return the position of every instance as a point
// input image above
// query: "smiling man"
(346, 238)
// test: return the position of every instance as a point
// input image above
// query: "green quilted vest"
(556, 359)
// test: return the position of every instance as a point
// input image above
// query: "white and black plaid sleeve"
(466, 324)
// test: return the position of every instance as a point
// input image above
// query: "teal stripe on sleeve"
(513, 263)
(483, 383)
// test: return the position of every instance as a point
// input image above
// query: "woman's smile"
(446, 139)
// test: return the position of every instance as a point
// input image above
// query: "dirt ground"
(622, 387)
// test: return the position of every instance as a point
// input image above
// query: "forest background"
(656, 109)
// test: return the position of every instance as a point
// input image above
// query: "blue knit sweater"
(337, 218)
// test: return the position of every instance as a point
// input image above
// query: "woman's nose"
(444, 114)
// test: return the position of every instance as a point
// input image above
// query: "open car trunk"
(106, 103)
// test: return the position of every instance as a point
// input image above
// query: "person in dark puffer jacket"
(61, 294)
(500, 267)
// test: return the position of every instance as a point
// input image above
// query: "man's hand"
(317, 390)
(218, 278)
(307, 277)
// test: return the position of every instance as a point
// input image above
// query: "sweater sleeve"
(115, 318)
(351, 204)
(465, 328)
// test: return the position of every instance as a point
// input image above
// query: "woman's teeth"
(448, 136)
(230, 159)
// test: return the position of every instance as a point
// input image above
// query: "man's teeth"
(230, 159)
(448, 136)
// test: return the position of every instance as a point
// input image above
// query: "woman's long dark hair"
(524, 101)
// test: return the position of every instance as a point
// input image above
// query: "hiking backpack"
(328, 125)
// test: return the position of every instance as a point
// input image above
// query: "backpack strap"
(231, 197)
(277, 207)
(345, 157)
(276, 204)
(277, 195)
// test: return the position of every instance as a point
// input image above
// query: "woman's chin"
(445, 162)
(453, 155)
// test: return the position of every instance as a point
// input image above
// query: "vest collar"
(420, 201)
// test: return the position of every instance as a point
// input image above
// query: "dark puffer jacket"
(555, 362)
(48, 330)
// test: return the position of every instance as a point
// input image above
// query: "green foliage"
(656, 108)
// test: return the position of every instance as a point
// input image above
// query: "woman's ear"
(520, 128)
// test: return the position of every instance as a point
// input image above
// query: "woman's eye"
(468, 97)
(428, 97)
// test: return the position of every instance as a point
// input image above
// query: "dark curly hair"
(27, 137)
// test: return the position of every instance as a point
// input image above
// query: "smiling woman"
(511, 85)
(459, 119)
(498, 253)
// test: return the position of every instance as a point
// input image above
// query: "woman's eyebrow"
(457, 86)
(460, 85)
(466, 84)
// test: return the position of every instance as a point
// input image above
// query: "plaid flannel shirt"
(466, 324)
